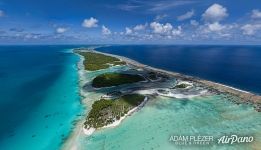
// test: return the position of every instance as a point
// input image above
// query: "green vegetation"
(104, 112)
(181, 86)
(152, 75)
(95, 61)
(114, 79)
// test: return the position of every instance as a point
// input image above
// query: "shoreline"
(72, 141)
(116, 123)
(77, 131)
(244, 96)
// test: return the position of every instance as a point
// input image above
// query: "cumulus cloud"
(185, 16)
(256, 14)
(90, 23)
(194, 22)
(217, 31)
(105, 30)
(177, 32)
(161, 28)
(215, 26)
(2, 13)
(128, 31)
(251, 29)
(212, 16)
(140, 27)
(215, 13)
(61, 30)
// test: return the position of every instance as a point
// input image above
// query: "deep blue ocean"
(39, 96)
(237, 66)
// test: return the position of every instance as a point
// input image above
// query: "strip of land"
(244, 96)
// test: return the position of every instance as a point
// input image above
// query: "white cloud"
(30, 36)
(61, 30)
(127, 7)
(218, 28)
(151, 6)
(2, 13)
(251, 29)
(90, 23)
(194, 22)
(215, 26)
(185, 16)
(215, 13)
(177, 32)
(167, 4)
(161, 28)
(128, 31)
(160, 17)
(105, 30)
(140, 27)
(217, 31)
(256, 14)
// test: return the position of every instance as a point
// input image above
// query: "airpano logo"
(233, 139)
(208, 140)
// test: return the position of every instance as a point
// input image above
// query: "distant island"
(96, 61)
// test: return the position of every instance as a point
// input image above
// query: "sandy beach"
(117, 122)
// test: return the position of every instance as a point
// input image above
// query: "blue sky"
(130, 22)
